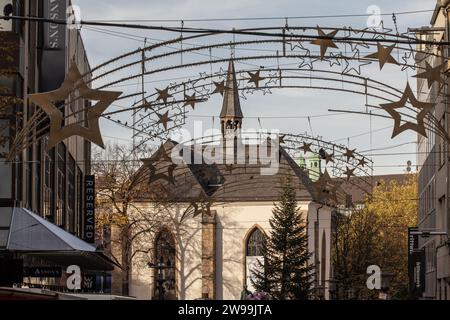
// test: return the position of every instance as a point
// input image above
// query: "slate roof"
(240, 182)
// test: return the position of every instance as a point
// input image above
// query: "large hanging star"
(431, 74)
(163, 94)
(424, 107)
(74, 82)
(383, 55)
(326, 42)
(255, 78)
(164, 119)
(161, 157)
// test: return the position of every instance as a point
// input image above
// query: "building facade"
(48, 183)
(433, 163)
(210, 252)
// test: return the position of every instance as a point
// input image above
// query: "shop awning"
(33, 235)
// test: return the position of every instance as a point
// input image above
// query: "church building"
(218, 217)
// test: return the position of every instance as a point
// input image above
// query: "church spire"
(231, 114)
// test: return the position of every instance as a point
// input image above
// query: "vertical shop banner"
(416, 264)
(53, 61)
(89, 210)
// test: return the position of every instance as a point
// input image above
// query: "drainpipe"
(316, 252)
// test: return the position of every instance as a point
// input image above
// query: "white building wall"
(234, 223)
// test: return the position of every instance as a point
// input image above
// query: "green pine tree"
(285, 272)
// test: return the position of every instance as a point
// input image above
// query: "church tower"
(231, 114)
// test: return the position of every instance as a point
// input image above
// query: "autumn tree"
(119, 185)
(376, 234)
(395, 205)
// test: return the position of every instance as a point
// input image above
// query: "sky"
(389, 155)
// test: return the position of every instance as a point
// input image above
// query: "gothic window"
(165, 261)
(255, 243)
(254, 255)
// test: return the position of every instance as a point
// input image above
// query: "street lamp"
(159, 279)
(160, 266)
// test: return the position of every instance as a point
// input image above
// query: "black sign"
(53, 59)
(42, 272)
(416, 273)
(89, 210)
(413, 240)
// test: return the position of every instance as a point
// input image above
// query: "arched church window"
(255, 243)
(165, 275)
(253, 255)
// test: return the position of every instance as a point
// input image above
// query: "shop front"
(38, 254)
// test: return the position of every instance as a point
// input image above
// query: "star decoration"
(409, 57)
(299, 45)
(160, 156)
(349, 154)
(255, 78)
(73, 81)
(383, 55)
(163, 94)
(306, 147)
(383, 32)
(146, 105)
(355, 65)
(306, 62)
(355, 44)
(326, 188)
(164, 119)
(362, 162)
(281, 139)
(221, 74)
(424, 107)
(220, 87)
(431, 74)
(190, 100)
(325, 43)
(328, 157)
(335, 59)
(349, 172)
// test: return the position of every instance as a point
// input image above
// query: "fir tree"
(285, 272)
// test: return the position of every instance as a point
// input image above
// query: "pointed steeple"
(231, 114)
